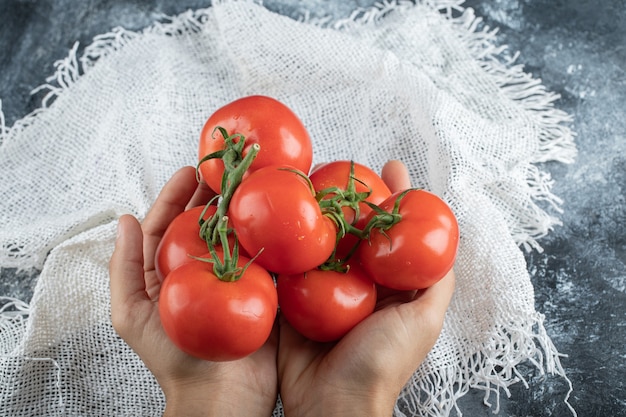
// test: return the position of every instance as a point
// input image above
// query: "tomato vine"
(215, 230)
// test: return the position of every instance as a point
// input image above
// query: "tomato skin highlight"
(276, 216)
(264, 120)
(337, 174)
(216, 320)
(325, 305)
(416, 252)
(181, 239)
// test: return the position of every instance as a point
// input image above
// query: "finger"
(172, 200)
(396, 176)
(437, 297)
(126, 270)
(418, 323)
(201, 196)
(427, 311)
(387, 297)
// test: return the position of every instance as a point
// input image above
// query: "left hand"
(192, 387)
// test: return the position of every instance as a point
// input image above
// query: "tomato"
(180, 240)
(218, 320)
(325, 305)
(417, 251)
(275, 215)
(280, 133)
(337, 174)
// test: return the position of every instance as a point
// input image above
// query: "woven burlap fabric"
(415, 82)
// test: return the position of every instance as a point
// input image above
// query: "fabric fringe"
(434, 392)
(70, 69)
(439, 389)
(67, 72)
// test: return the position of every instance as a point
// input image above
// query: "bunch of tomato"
(318, 243)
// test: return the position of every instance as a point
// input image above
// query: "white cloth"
(401, 81)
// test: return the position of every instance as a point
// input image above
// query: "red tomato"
(337, 174)
(274, 210)
(325, 305)
(180, 240)
(263, 120)
(417, 251)
(217, 320)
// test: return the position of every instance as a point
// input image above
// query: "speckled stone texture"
(577, 48)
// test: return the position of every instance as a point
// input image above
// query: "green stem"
(215, 230)
(332, 200)
(233, 175)
(381, 220)
(225, 269)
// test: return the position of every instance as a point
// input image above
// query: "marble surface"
(577, 48)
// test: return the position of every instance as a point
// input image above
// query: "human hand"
(192, 387)
(365, 371)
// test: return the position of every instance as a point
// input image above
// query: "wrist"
(215, 401)
(190, 401)
(190, 408)
(346, 404)
(362, 407)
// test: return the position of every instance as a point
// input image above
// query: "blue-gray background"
(576, 47)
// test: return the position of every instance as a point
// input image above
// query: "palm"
(309, 367)
(167, 362)
(378, 355)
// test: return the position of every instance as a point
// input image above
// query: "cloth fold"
(422, 83)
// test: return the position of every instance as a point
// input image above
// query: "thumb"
(424, 316)
(396, 176)
(126, 272)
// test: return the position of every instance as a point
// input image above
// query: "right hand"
(365, 371)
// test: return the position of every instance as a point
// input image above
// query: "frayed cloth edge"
(434, 392)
